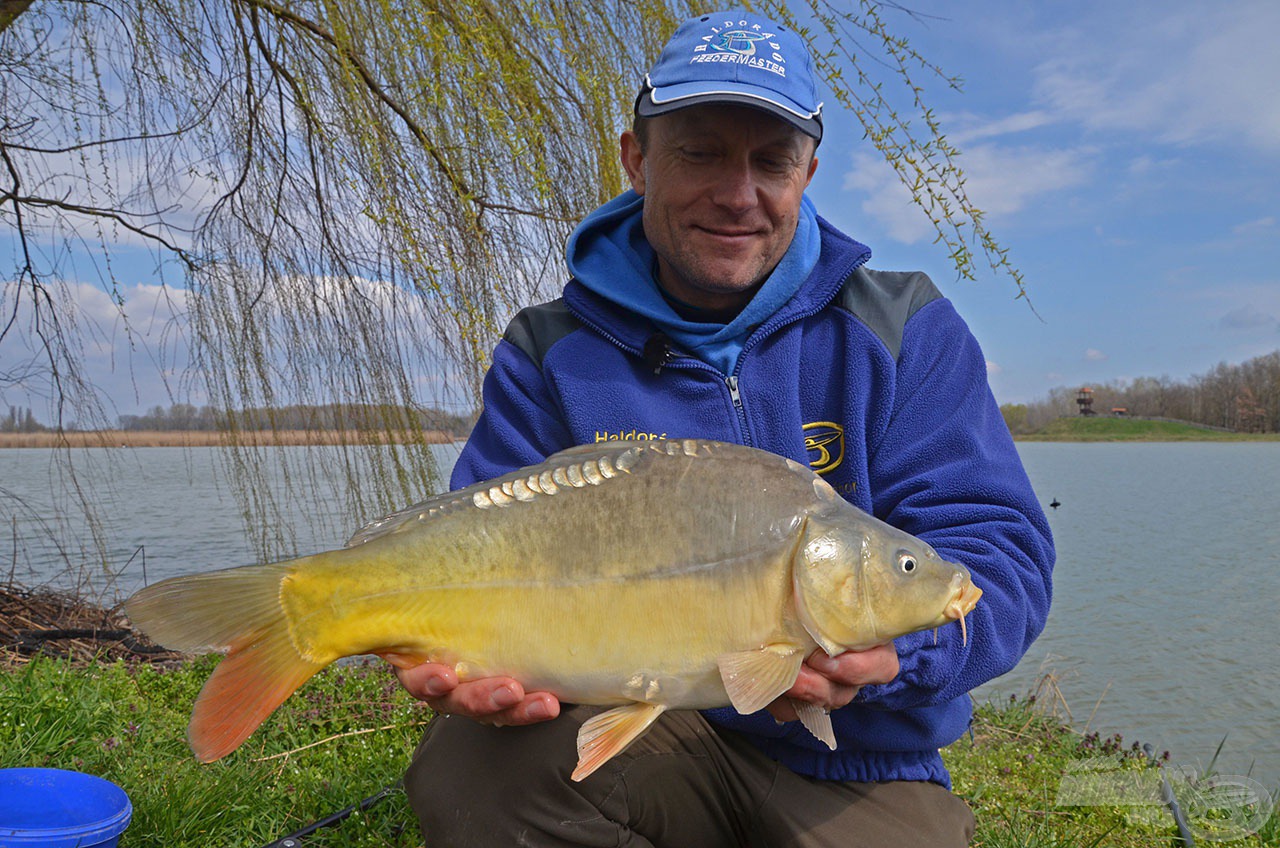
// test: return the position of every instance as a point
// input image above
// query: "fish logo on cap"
(738, 41)
(735, 58)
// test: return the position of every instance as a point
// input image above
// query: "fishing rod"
(294, 840)
(1170, 800)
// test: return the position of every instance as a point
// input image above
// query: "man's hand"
(832, 682)
(498, 701)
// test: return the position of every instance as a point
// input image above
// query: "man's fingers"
(782, 710)
(480, 698)
(832, 682)
(495, 700)
(533, 708)
(816, 688)
(428, 680)
(857, 668)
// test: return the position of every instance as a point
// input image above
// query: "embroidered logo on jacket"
(825, 442)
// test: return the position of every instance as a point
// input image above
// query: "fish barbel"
(643, 576)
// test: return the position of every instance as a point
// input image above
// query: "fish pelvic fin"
(237, 611)
(608, 734)
(753, 679)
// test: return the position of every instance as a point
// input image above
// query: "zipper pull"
(657, 352)
(732, 383)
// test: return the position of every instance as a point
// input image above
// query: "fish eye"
(907, 563)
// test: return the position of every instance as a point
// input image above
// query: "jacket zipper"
(740, 409)
(732, 383)
(694, 364)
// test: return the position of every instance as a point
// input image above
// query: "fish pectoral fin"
(817, 720)
(609, 733)
(754, 679)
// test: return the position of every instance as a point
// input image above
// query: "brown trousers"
(681, 785)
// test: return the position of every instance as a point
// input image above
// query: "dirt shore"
(194, 439)
(58, 624)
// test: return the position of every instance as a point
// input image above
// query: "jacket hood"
(613, 268)
(609, 255)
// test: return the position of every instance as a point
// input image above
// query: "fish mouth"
(961, 605)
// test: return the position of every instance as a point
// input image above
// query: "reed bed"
(202, 438)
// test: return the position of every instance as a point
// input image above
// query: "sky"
(1127, 154)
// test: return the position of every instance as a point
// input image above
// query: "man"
(711, 301)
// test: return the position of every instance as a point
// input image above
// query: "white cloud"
(886, 199)
(999, 180)
(1003, 180)
(993, 369)
(1095, 355)
(970, 128)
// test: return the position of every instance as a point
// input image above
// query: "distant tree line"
(1244, 398)
(361, 417)
(21, 421)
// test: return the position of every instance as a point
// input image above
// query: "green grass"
(1107, 429)
(1011, 769)
(127, 723)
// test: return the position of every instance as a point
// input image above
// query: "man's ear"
(632, 160)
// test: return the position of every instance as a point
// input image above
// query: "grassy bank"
(350, 731)
(1105, 429)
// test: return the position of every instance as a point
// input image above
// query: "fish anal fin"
(604, 736)
(817, 720)
(255, 678)
(753, 679)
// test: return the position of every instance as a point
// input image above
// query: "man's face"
(722, 187)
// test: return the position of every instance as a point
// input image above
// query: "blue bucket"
(52, 808)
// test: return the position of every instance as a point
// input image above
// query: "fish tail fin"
(238, 611)
(244, 689)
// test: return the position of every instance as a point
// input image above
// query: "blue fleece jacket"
(869, 377)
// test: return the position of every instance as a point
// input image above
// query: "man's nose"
(736, 188)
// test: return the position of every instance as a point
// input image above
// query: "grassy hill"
(1107, 429)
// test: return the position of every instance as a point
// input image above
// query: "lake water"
(1165, 621)
(1164, 626)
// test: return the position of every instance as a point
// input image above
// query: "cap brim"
(653, 102)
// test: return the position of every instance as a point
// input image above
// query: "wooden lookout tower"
(1084, 400)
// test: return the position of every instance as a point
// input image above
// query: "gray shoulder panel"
(536, 328)
(886, 300)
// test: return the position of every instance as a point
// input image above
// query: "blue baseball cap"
(735, 57)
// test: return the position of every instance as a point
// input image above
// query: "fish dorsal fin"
(753, 679)
(606, 735)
